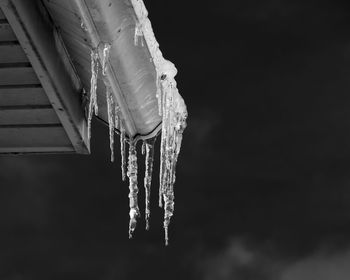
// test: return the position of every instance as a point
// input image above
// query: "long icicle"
(149, 149)
(109, 99)
(111, 119)
(174, 123)
(122, 146)
(167, 188)
(93, 107)
(143, 148)
(133, 189)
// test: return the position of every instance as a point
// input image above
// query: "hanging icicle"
(173, 111)
(93, 107)
(111, 107)
(111, 119)
(122, 146)
(171, 108)
(149, 149)
(173, 125)
(143, 148)
(133, 189)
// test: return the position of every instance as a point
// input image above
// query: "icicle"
(161, 168)
(111, 119)
(143, 149)
(93, 87)
(117, 116)
(106, 50)
(122, 147)
(133, 189)
(173, 124)
(149, 147)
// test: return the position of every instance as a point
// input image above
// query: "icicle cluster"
(171, 107)
(173, 111)
(115, 120)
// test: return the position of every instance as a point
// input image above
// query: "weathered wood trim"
(36, 37)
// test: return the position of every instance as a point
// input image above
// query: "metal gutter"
(130, 70)
(98, 44)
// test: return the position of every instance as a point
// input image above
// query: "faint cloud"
(238, 261)
(320, 267)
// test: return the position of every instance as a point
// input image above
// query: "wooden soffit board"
(40, 94)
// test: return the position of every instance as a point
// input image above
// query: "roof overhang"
(48, 68)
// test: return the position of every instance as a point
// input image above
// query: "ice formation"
(133, 189)
(148, 148)
(173, 125)
(122, 148)
(93, 107)
(111, 110)
(171, 108)
(143, 148)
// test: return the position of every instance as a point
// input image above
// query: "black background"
(263, 181)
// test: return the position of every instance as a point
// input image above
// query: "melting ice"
(148, 148)
(111, 119)
(93, 107)
(171, 108)
(133, 189)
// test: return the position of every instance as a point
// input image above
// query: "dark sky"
(263, 181)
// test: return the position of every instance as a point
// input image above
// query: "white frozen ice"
(93, 107)
(133, 189)
(173, 110)
(111, 119)
(149, 149)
